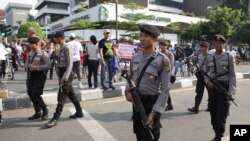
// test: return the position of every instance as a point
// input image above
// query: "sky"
(4, 3)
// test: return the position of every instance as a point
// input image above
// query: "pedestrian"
(77, 49)
(92, 53)
(163, 46)
(154, 85)
(37, 67)
(107, 52)
(200, 85)
(179, 60)
(65, 64)
(31, 32)
(3, 52)
(189, 53)
(221, 67)
(52, 56)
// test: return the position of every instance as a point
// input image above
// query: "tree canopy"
(23, 30)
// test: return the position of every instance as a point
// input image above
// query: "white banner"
(125, 51)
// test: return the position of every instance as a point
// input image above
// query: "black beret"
(33, 40)
(162, 42)
(204, 44)
(150, 30)
(219, 37)
(59, 34)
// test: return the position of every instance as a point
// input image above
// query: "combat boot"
(45, 114)
(35, 116)
(53, 121)
(78, 114)
(194, 110)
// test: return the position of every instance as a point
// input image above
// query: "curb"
(50, 98)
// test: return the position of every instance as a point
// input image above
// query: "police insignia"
(151, 76)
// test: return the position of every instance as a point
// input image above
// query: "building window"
(79, 1)
(168, 3)
(58, 6)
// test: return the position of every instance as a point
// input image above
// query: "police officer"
(200, 85)
(153, 88)
(37, 67)
(163, 46)
(65, 64)
(220, 66)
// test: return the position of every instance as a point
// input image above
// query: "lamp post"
(116, 21)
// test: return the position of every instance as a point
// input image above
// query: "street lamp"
(116, 20)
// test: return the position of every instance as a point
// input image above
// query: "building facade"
(199, 7)
(16, 13)
(50, 11)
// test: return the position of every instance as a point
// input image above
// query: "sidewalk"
(19, 99)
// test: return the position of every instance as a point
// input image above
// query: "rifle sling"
(144, 69)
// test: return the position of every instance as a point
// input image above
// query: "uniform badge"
(151, 77)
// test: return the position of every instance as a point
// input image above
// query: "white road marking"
(226, 138)
(181, 90)
(96, 131)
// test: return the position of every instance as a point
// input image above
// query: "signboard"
(2, 14)
(126, 51)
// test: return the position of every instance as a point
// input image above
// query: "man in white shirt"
(3, 52)
(76, 48)
(232, 52)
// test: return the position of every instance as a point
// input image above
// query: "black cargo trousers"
(142, 133)
(35, 86)
(66, 91)
(219, 109)
(200, 86)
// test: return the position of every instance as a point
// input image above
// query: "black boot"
(216, 138)
(53, 121)
(194, 110)
(169, 107)
(78, 114)
(35, 116)
(45, 114)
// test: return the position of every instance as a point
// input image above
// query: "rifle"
(137, 102)
(217, 84)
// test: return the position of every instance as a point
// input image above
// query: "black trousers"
(66, 91)
(3, 64)
(35, 87)
(52, 67)
(142, 133)
(92, 69)
(200, 86)
(219, 109)
(169, 100)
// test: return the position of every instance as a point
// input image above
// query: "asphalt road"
(109, 120)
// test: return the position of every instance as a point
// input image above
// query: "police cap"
(162, 42)
(219, 37)
(33, 40)
(59, 34)
(150, 30)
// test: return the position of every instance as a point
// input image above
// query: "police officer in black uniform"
(37, 66)
(221, 67)
(200, 85)
(154, 84)
(65, 64)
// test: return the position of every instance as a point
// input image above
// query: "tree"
(243, 5)
(221, 21)
(243, 33)
(83, 24)
(31, 18)
(23, 29)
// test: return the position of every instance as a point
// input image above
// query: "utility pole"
(116, 20)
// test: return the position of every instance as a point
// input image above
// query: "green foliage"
(243, 5)
(82, 7)
(31, 18)
(23, 30)
(83, 24)
(244, 32)
(221, 21)
(132, 6)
